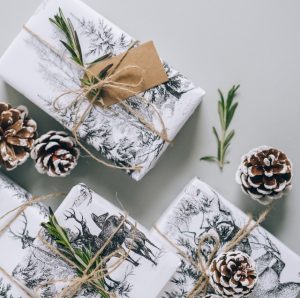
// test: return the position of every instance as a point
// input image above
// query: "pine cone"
(17, 135)
(233, 274)
(212, 296)
(55, 153)
(265, 174)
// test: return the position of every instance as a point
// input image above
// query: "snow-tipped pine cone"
(265, 174)
(17, 135)
(212, 296)
(233, 274)
(55, 154)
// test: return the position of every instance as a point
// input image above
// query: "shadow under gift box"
(18, 239)
(41, 75)
(89, 221)
(199, 209)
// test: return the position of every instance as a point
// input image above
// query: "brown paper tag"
(143, 57)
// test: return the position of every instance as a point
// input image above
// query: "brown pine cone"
(55, 154)
(265, 174)
(17, 135)
(232, 274)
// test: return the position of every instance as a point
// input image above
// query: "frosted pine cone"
(233, 274)
(17, 135)
(55, 153)
(212, 296)
(265, 174)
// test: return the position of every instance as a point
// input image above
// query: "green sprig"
(81, 257)
(72, 44)
(226, 110)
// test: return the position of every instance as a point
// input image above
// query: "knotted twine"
(110, 81)
(202, 265)
(87, 278)
(99, 272)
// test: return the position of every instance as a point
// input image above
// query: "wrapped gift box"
(17, 240)
(199, 209)
(36, 71)
(90, 219)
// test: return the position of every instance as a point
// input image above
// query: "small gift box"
(38, 65)
(94, 225)
(199, 210)
(18, 238)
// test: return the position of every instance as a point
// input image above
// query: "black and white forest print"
(19, 238)
(118, 135)
(199, 210)
(89, 223)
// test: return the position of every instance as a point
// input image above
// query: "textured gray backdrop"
(216, 43)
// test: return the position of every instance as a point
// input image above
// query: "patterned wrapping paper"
(199, 209)
(90, 220)
(41, 75)
(18, 240)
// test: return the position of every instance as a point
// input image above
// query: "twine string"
(26, 291)
(100, 271)
(200, 264)
(110, 81)
(22, 208)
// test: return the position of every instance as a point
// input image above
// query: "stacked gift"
(41, 67)
(199, 210)
(91, 223)
(18, 238)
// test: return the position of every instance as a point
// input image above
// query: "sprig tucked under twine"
(93, 271)
(95, 87)
(89, 275)
(201, 264)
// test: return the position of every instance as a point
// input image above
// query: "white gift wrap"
(17, 240)
(41, 75)
(199, 209)
(83, 214)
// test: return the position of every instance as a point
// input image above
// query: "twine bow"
(90, 276)
(202, 265)
(96, 87)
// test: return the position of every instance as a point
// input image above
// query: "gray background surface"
(216, 43)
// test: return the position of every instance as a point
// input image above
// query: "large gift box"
(89, 220)
(18, 239)
(32, 67)
(199, 209)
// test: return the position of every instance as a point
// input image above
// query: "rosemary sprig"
(226, 110)
(72, 44)
(81, 257)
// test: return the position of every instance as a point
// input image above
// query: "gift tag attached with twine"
(139, 70)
